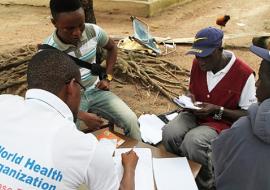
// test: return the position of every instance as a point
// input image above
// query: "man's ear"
(53, 22)
(67, 92)
(71, 86)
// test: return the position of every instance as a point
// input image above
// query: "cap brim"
(200, 52)
(262, 53)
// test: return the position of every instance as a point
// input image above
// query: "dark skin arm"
(211, 109)
(129, 161)
(110, 61)
(92, 121)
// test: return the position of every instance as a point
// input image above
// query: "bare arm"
(92, 121)
(110, 61)
(129, 161)
(211, 109)
(228, 114)
(111, 56)
(232, 115)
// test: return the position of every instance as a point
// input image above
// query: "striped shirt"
(92, 37)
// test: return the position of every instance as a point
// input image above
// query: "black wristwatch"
(218, 116)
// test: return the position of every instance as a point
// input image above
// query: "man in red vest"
(225, 86)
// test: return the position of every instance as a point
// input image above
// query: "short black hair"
(60, 6)
(50, 70)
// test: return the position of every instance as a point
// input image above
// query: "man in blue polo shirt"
(81, 40)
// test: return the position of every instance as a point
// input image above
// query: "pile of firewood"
(13, 68)
(152, 72)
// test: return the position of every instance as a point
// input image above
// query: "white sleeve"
(248, 95)
(101, 172)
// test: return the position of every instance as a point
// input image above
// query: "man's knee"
(194, 148)
(171, 133)
(129, 122)
(127, 119)
(190, 142)
(171, 139)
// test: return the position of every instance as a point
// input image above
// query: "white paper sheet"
(173, 174)
(150, 127)
(171, 116)
(185, 102)
(144, 171)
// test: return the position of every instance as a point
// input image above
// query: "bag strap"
(79, 62)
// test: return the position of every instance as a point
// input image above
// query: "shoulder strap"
(79, 62)
(96, 69)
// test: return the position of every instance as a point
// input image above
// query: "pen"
(131, 149)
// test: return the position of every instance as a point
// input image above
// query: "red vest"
(226, 93)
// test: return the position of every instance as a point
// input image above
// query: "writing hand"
(129, 159)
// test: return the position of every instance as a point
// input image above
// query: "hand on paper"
(189, 94)
(206, 110)
(129, 159)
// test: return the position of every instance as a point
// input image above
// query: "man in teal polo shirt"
(81, 40)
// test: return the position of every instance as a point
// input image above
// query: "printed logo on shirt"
(27, 171)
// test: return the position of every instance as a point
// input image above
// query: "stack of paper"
(185, 102)
(150, 127)
(173, 174)
(144, 171)
(169, 173)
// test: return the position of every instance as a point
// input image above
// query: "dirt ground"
(21, 25)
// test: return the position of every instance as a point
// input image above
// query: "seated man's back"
(41, 142)
(241, 154)
(40, 146)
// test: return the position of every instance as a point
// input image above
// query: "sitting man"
(225, 86)
(40, 146)
(244, 162)
(81, 40)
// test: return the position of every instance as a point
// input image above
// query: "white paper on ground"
(173, 174)
(144, 170)
(150, 127)
(185, 102)
(171, 116)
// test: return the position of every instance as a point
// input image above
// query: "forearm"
(128, 182)
(82, 115)
(231, 115)
(111, 58)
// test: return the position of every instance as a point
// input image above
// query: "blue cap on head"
(206, 41)
(261, 52)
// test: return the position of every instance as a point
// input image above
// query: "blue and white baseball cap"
(206, 41)
(261, 52)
